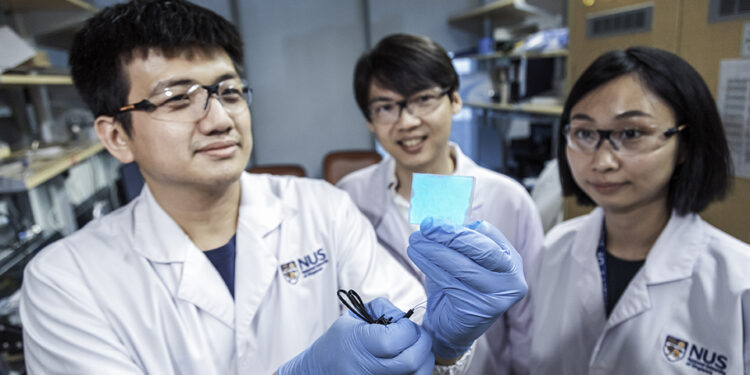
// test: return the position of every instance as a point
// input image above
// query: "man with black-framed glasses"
(211, 270)
(407, 90)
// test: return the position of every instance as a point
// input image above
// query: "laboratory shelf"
(40, 170)
(35, 79)
(503, 12)
(35, 5)
(514, 56)
(531, 108)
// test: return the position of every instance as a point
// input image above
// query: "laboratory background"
(516, 61)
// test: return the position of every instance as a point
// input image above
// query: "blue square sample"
(440, 196)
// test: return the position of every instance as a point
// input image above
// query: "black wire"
(359, 309)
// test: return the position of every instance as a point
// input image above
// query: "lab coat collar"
(667, 264)
(156, 235)
(583, 253)
(260, 209)
(663, 264)
(261, 213)
(160, 239)
(464, 165)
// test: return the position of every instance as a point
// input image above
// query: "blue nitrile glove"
(353, 346)
(472, 275)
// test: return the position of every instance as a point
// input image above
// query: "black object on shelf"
(528, 155)
(531, 77)
(13, 259)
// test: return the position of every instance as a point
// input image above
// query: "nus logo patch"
(289, 270)
(305, 266)
(701, 359)
(674, 348)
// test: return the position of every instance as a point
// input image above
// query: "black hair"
(406, 64)
(118, 34)
(705, 168)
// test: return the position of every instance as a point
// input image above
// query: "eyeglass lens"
(189, 103)
(388, 112)
(624, 141)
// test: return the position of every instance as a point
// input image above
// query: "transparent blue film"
(440, 196)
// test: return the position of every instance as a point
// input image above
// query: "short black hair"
(406, 64)
(117, 34)
(705, 171)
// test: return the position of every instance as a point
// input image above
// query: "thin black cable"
(359, 309)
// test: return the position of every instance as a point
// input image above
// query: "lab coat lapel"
(587, 280)
(374, 207)
(667, 264)
(385, 218)
(261, 213)
(393, 234)
(202, 286)
(586, 271)
(188, 273)
(664, 264)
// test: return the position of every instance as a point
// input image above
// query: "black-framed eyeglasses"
(190, 102)
(627, 142)
(387, 112)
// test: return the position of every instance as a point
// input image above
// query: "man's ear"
(114, 138)
(371, 126)
(456, 102)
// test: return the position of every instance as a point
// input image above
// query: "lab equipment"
(400, 347)
(472, 276)
(440, 196)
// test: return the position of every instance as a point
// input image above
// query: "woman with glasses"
(642, 284)
(407, 90)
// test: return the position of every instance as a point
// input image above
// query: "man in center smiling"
(407, 89)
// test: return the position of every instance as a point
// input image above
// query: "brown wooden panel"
(733, 214)
(704, 45)
(664, 31)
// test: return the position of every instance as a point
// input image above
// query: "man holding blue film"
(407, 90)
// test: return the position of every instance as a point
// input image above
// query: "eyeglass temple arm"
(143, 105)
(672, 131)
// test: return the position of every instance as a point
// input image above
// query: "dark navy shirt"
(616, 273)
(619, 274)
(223, 259)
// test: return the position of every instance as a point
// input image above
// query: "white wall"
(424, 17)
(300, 57)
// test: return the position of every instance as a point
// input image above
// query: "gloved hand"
(472, 276)
(352, 346)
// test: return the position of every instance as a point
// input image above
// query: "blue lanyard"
(601, 259)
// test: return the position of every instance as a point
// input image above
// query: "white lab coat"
(497, 199)
(131, 294)
(694, 287)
